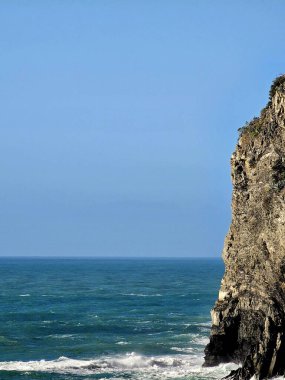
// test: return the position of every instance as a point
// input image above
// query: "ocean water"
(65, 319)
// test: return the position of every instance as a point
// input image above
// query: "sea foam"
(139, 366)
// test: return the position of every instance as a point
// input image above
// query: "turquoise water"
(106, 318)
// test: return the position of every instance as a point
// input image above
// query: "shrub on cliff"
(276, 84)
(251, 128)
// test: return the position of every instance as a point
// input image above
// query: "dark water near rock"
(106, 318)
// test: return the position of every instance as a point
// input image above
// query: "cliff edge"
(248, 319)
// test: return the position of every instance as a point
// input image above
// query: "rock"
(248, 319)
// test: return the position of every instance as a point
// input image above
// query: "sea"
(114, 318)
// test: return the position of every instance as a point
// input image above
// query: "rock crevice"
(248, 319)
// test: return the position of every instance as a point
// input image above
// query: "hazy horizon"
(112, 257)
(119, 118)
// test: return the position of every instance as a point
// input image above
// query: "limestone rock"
(248, 319)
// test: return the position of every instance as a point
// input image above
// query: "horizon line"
(109, 257)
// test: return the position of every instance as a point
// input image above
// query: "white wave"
(200, 340)
(181, 349)
(24, 295)
(61, 336)
(197, 339)
(141, 367)
(204, 324)
(204, 329)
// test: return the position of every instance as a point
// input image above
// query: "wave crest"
(142, 367)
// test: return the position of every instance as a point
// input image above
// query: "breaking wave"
(141, 367)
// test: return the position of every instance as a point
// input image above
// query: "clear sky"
(118, 119)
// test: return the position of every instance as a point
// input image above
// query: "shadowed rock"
(248, 319)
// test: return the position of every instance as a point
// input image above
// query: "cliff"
(248, 319)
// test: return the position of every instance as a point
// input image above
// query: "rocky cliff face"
(248, 319)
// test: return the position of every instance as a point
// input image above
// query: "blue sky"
(118, 119)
